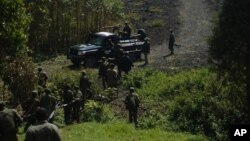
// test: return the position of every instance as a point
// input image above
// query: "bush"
(195, 101)
(95, 111)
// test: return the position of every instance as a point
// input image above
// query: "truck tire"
(91, 62)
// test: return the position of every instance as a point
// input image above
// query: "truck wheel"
(91, 62)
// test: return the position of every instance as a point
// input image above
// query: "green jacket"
(43, 131)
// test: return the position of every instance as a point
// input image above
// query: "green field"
(120, 131)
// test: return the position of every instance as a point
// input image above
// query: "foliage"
(19, 75)
(16, 69)
(195, 101)
(13, 27)
(95, 111)
(228, 45)
(56, 25)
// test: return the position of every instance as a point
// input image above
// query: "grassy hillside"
(120, 131)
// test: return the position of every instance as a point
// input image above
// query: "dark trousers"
(103, 82)
(146, 58)
(132, 113)
(67, 114)
(76, 111)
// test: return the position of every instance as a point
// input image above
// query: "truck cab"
(98, 45)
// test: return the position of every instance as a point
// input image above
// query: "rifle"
(178, 46)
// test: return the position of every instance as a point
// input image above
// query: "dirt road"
(195, 27)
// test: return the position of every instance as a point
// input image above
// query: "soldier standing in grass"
(30, 107)
(42, 131)
(102, 71)
(111, 75)
(67, 101)
(49, 103)
(77, 103)
(171, 42)
(42, 77)
(132, 104)
(85, 86)
(9, 119)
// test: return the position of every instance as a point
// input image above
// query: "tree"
(16, 69)
(229, 45)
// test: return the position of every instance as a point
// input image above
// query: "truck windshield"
(95, 40)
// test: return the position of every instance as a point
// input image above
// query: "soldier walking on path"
(171, 42)
(9, 120)
(132, 104)
(67, 101)
(49, 103)
(85, 86)
(43, 130)
(42, 77)
(146, 50)
(30, 107)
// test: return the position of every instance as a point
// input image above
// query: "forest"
(180, 100)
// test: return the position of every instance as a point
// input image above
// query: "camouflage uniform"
(9, 119)
(77, 98)
(126, 63)
(102, 72)
(146, 50)
(42, 77)
(111, 76)
(30, 107)
(42, 131)
(132, 104)
(85, 86)
(67, 99)
(49, 103)
(171, 42)
(126, 31)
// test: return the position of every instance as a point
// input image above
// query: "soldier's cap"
(2, 104)
(147, 39)
(34, 93)
(131, 88)
(41, 114)
(39, 68)
(83, 72)
(47, 91)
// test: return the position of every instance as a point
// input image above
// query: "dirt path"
(195, 26)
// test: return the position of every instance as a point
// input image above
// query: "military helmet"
(83, 72)
(2, 104)
(131, 89)
(39, 69)
(47, 91)
(34, 93)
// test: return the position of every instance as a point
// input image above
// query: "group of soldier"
(39, 108)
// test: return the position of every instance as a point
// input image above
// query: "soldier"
(102, 71)
(112, 76)
(126, 63)
(132, 104)
(67, 101)
(146, 50)
(49, 103)
(77, 103)
(142, 34)
(9, 119)
(42, 77)
(126, 30)
(30, 107)
(85, 86)
(171, 42)
(42, 131)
